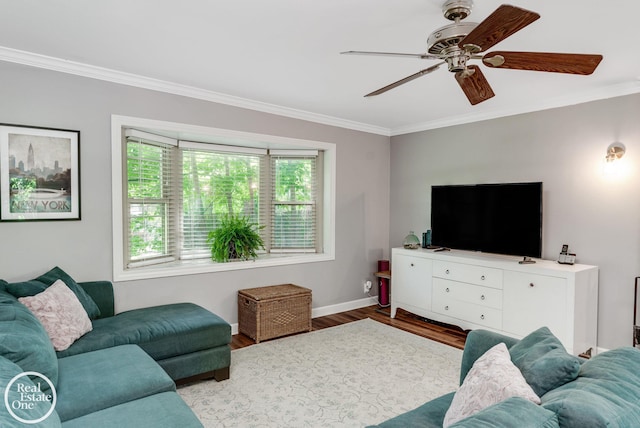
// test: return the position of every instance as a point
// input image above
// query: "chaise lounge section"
(121, 373)
(188, 341)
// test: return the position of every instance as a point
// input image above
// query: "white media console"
(493, 292)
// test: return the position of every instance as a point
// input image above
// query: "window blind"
(293, 201)
(216, 182)
(150, 213)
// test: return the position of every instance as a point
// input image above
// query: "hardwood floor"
(444, 333)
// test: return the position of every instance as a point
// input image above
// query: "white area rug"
(352, 375)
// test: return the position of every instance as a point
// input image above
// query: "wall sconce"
(615, 151)
(613, 166)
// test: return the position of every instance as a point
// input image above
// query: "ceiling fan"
(458, 43)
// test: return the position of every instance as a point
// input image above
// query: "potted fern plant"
(236, 238)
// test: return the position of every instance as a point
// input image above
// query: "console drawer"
(478, 295)
(468, 312)
(480, 275)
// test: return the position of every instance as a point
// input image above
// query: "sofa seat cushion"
(429, 415)
(604, 394)
(24, 340)
(512, 412)
(8, 370)
(165, 410)
(162, 331)
(100, 379)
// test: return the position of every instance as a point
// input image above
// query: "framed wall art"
(39, 173)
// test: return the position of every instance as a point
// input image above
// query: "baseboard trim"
(332, 309)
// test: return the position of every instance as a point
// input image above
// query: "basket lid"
(274, 291)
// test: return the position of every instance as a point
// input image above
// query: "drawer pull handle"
(531, 284)
(446, 308)
(411, 264)
(482, 297)
(447, 289)
(482, 277)
(481, 317)
(447, 271)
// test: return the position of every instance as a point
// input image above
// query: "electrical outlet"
(367, 286)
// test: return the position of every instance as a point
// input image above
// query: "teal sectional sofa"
(603, 391)
(123, 373)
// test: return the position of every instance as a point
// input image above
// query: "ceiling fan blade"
(396, 54)
(502, 23)
(405, 80)
(539, 61)
(474, 84)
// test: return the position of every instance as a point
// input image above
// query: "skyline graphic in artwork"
(39, 173)
(39, 156)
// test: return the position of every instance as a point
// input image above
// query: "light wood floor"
(443, 333)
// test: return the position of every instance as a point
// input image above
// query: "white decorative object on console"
(494, 292)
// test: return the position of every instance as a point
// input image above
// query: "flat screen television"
(503, 218)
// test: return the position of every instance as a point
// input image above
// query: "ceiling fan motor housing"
(444, 43)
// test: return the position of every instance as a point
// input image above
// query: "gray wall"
(597, 215)
(38, 97)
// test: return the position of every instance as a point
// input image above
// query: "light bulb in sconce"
(615, 151)
(613, 166)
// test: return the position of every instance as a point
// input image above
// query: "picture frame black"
(39, 173)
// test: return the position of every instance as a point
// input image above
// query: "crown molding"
(612, 91)
(79, 69)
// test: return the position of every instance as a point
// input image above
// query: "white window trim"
(187, 132)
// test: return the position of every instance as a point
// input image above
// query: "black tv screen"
(501, 218)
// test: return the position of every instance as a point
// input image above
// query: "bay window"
(174, 191)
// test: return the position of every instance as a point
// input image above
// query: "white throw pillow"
(61, 314)
(492, 379)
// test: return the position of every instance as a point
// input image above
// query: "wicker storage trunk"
(274, 311)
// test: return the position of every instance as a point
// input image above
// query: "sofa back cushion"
(101, 292)
(478, 342)
(543, 361)
(23, 339)
(9, 371)
(41, 283)
(604, 394)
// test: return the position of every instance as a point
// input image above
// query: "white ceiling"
(283, 56)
